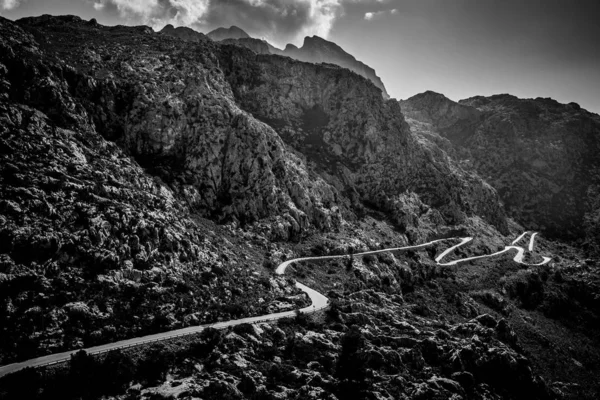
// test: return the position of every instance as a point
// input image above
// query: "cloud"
(369, 16)
(155, 13)
(280, 21)
(9, 4)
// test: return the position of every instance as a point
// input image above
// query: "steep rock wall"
(353, 137)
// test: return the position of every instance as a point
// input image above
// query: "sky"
(460, 48)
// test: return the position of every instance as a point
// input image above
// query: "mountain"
(232, 32)
(318, 50)
(357, 141)
(256, 45)
(149, 183)
(184, 33)
(541, 156)
(314, 50)
(142, 139)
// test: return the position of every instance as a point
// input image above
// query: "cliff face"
(540, 155)
(355, 139)
(168, 105)
(318, 50)
(352, 138)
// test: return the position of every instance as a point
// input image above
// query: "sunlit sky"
(460, 48)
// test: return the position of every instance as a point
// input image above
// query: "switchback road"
(318, 302)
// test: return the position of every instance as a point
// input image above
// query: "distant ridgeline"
(314, 50)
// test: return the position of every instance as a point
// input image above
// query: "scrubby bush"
(527, 286)
(209, 339)
(155, 366)
(369, 258)
(493, 300)
(243, 329)
(351, 367)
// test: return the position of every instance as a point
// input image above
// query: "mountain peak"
(315, 49)
(183, 33)
(233, 32)
(430, 94)
(311, 41)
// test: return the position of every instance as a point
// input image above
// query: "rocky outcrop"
(541, 156)
(319, 50)
(183, 33)
(232, 32)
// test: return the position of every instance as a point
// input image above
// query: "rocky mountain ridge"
(314, 50)
(319, 50)
(232, 32)
(358, 141)
(541, 156)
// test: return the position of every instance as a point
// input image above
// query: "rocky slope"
(358, 141)
(363, 144)
(540, 155)
(399, 328)
(90, 240)
(184, 33)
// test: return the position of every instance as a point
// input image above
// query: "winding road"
(318, 302)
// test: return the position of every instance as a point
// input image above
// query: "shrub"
(527, 286)
(154, 368)
(243, 329)
(369, 258)
(116, 372)
(269, 264)
(493, 300)
(351, 366)
(349, 263)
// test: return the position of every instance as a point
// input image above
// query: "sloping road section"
(318, 302)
